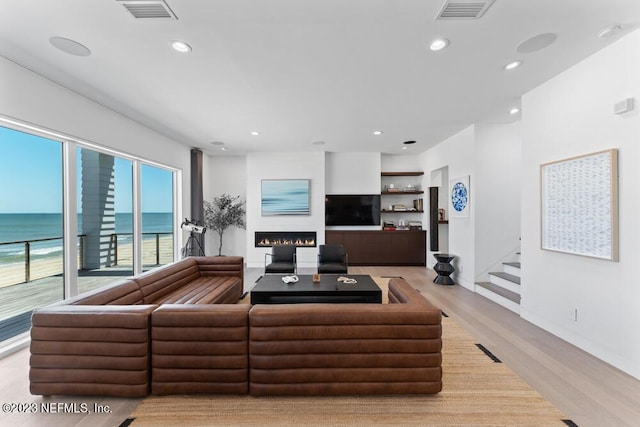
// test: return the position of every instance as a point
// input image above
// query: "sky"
(31, 178)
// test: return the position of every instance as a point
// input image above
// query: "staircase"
(503, 287)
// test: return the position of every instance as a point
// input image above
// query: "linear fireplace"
(305, 239)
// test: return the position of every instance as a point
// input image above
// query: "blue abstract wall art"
(285, 197)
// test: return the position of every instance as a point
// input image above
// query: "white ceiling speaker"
(69, 46)
(536, 43)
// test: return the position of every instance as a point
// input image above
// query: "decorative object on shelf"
(583, 192)
(285, 197)
(415, 225)
(391, 188)
(225, 211)
(444, 269)
(459, 197)
(441, 216)
(388, 225)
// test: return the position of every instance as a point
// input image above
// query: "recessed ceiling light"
(377, 132)
(69, 46)
(180, 46)
(512, 65)
(404, 148)
(438, 44)
(609, 31)
(255, 133)
(514, 110)
(224, 148)
(318, 143)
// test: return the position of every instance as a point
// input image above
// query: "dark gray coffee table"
(270, 289)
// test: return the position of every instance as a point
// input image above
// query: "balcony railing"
(156, 252)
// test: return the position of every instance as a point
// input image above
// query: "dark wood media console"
(381, 247)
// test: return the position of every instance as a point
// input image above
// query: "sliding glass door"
(157, 216)
(105, 218)
(31, 228)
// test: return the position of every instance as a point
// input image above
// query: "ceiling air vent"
(470, 9)
(148, 9)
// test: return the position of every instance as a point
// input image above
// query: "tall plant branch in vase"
(223, 212)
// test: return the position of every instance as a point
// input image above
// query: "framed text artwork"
(459, 197)
(285, 197)
(579, 203)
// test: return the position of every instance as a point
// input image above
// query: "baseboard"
(14, 344)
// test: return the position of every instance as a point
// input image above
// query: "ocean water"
(35, 226)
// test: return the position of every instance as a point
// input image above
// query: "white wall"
(352, 173)
(285, 166)
(29, 97)
(497, 181)
(572, 114)
(226, 174)
(457, 152)
(400, 163)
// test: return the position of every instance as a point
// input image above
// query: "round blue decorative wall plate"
(459, 196)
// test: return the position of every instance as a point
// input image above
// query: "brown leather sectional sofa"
(176, 330)
(102, 342)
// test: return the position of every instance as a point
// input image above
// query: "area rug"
(477, 391)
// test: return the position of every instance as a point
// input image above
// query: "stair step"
(505, 293)
(513, 264)
(506, 276)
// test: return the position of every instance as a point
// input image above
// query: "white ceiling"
(300, 71)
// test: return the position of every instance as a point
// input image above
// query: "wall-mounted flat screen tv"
(352, 209)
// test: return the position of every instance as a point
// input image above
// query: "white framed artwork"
(459, 197)
(579, 205)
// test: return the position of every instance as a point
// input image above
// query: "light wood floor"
(587, 390)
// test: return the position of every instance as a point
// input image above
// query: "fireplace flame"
(299, 239)
(297, 242)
